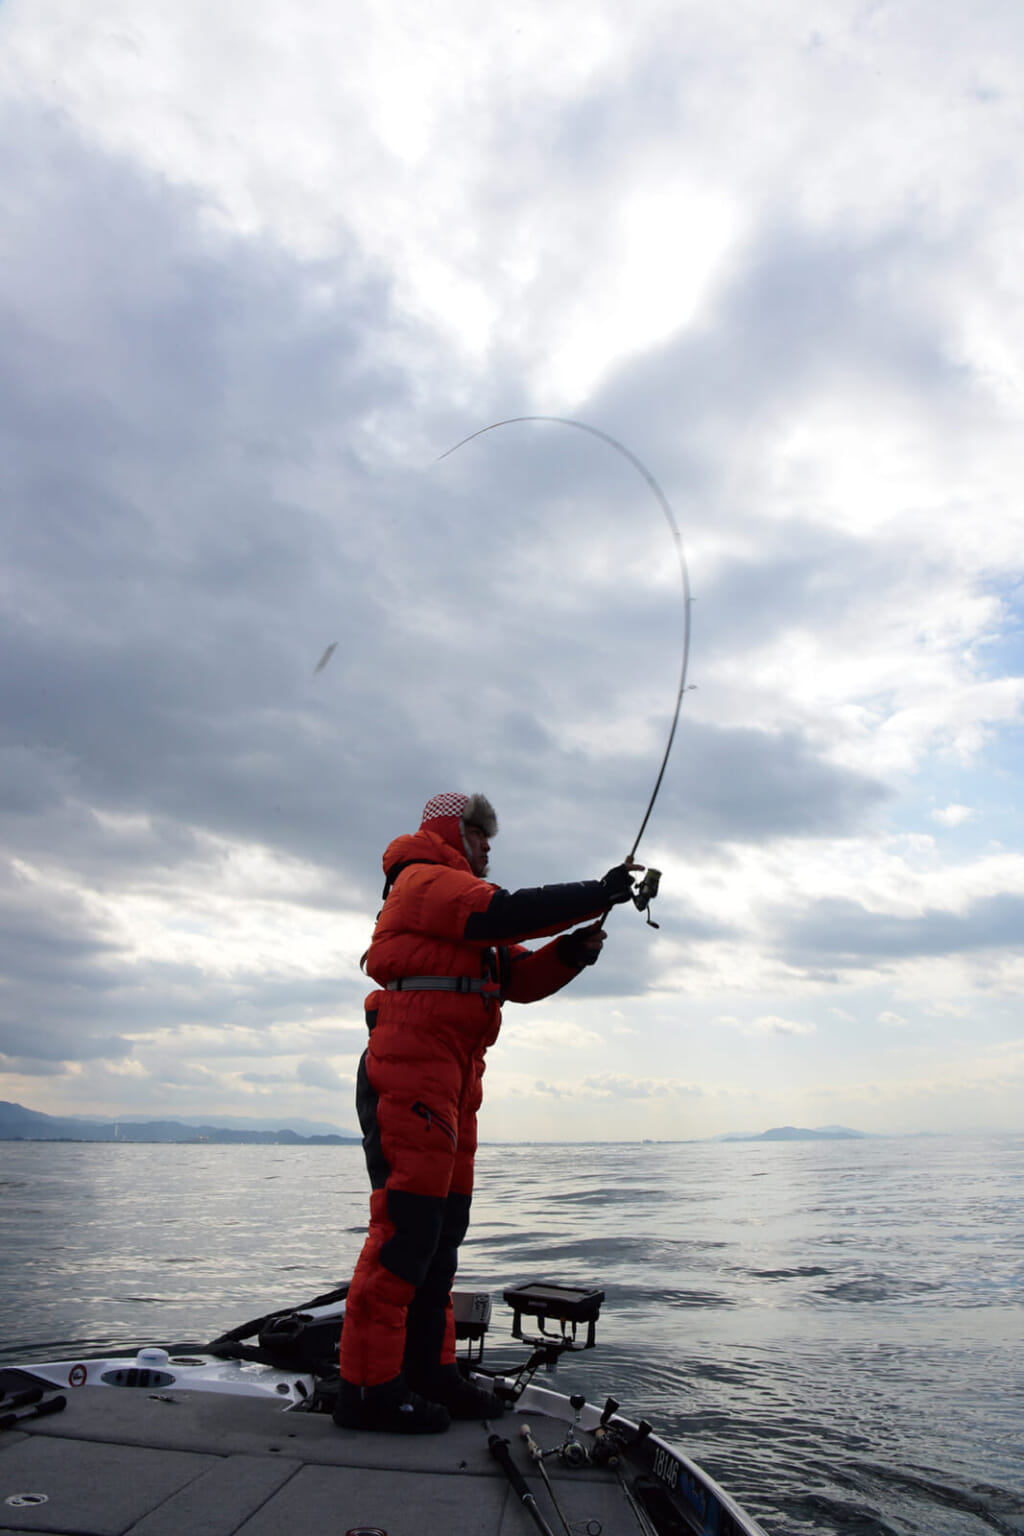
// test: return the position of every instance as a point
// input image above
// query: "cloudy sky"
(261, 265)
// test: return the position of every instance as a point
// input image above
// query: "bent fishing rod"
(648, 888)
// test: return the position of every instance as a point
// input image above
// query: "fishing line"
(662, 500)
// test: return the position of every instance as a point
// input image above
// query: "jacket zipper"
(432, 1118)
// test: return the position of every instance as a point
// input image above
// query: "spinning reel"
(645, 894)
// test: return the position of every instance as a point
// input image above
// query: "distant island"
(20, 1124)
(797, 1133)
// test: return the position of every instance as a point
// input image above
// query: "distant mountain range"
(20, 1124)
(796, 1133)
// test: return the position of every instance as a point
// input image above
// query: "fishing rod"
(499, 1449)
(537, 1456)
(648, 888)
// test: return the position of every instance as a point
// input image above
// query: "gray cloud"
(315, 1073)
(32, 1066)
(755, 785)
(72, 994)
(845, 934)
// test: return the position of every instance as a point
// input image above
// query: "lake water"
(835, 1330)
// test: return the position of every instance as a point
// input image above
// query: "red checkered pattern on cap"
(444, 805)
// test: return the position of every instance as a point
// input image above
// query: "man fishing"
(446, 952)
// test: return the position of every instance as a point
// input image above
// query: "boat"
(236, 1436)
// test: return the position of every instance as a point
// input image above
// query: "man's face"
(479, 847)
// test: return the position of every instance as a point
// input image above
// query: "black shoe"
(447, 1386)
(391, 1409)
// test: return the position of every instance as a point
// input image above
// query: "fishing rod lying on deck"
(499, 1449)
(537, 1456)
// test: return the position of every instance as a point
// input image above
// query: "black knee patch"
(455, 1222)
(437, 1280)
(417, 1220)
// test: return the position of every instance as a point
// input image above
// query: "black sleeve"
(517, 914)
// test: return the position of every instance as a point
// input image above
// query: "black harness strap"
(396, 869)
(392, 875)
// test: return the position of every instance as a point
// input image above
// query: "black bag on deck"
(291, 1339)
(298, 1342)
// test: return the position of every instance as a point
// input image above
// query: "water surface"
(834, 1329)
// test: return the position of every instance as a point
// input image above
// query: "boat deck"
(131, 1463)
